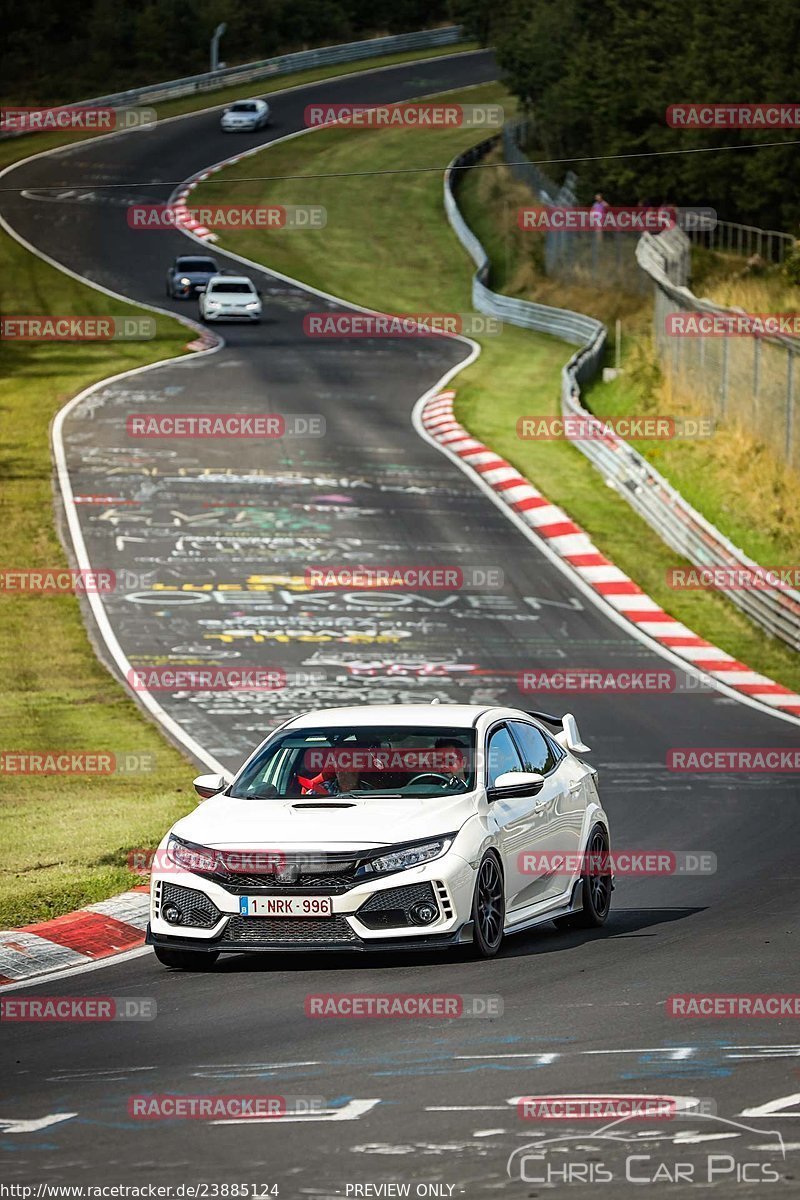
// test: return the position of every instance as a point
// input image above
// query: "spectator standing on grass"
(597, 215)
(598, 210)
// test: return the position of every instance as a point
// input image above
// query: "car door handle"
(575, 787)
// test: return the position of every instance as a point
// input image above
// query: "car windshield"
(239, 288)
(197, 264)
(242, 107)
(404, 761)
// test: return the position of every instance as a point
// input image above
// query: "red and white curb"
(76, 939)
(178, 200)
(206, 341)
(575, 547)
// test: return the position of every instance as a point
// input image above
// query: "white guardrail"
(282, 64)
(685, 530)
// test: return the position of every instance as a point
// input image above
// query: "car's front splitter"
(460, 937)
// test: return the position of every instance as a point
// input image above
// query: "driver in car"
(451, 761)
(342, 778)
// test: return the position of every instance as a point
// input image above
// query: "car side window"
(501, 754)
(538, 752)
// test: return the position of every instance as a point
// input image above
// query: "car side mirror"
(516, 783)
(207, 786)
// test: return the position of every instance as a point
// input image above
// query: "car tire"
(596, 890)
(488, 908)
(185, 960)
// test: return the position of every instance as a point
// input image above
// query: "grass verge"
(65, 837)
(387, 245)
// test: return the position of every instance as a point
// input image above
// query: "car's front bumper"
(378, 914)
(233, 314)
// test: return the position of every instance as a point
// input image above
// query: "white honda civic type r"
(387, 828)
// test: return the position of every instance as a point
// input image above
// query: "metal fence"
(282, 64)
(573, 327)
(675, 521)
(728, 237)
(593, 257)
(609, 258)
(515, 135)
(751, 381)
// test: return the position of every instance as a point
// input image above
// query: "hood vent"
(323, 804)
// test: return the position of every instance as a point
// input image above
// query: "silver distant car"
(245, 116)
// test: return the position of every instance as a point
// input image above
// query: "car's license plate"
(286, 906)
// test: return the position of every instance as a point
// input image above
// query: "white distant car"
(229, 298)
(245, 116)
(386, 828)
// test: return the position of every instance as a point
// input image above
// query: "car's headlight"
(402, 857)
(191, 857)
(186, 282)
(212, 303)
(253, 304)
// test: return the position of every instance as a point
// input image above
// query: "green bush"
(791, 265)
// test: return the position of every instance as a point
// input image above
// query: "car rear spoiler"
(568, 735)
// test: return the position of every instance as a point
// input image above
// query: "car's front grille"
(313, 872)
(195, 907)
(331, 885)
(391, 908)
(264, 931)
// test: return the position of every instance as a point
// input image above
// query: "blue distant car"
(188, 274)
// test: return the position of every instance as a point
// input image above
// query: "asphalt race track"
(425, 1101)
